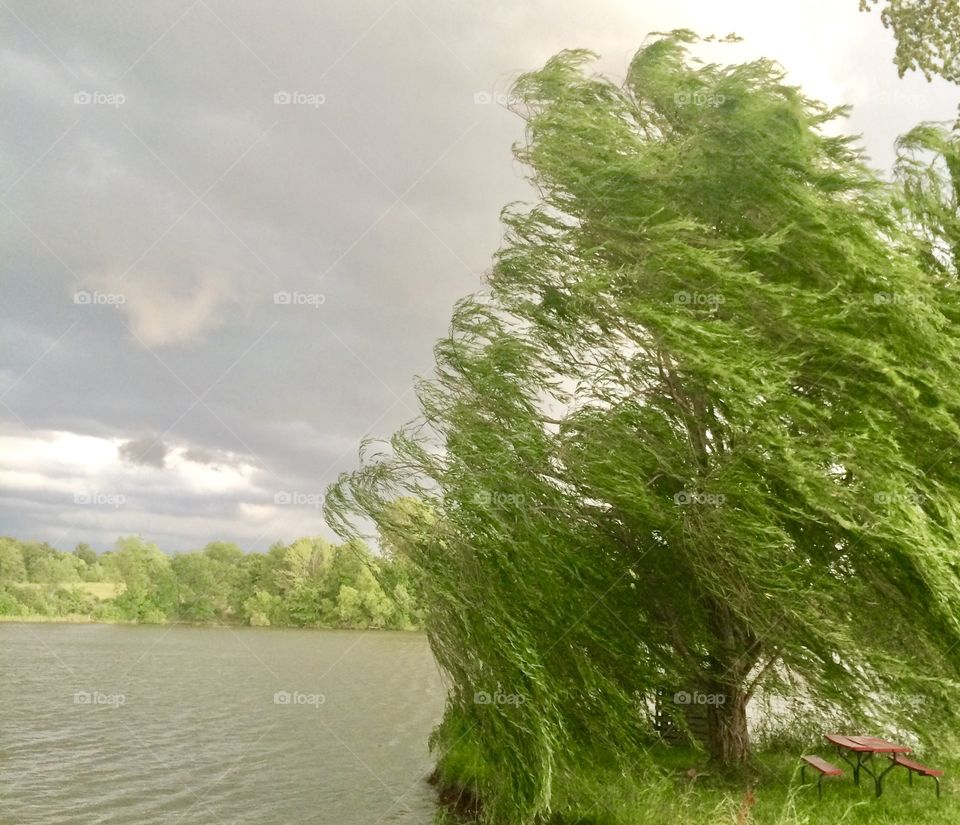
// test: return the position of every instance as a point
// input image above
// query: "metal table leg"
(856, 766)
(879, 780)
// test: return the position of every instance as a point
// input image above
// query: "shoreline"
(75, 619)
(458, 800)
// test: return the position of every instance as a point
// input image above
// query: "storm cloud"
(232, 232)
(148, 452)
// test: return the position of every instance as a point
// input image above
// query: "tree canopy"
(698, 435)
(927, 33)
(308, 583)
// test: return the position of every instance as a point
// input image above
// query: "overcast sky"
(168, 168)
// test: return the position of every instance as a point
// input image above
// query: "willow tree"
(927, 34)
(698, 435)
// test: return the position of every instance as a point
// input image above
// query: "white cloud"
(79, 488)
(59, 461)
(163, 309)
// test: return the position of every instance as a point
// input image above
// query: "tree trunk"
(734, 655)
(728, 741)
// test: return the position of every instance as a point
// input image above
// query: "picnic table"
(862, 750)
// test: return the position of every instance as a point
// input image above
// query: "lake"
(127, 724)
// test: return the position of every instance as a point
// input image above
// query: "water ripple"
(117, 725)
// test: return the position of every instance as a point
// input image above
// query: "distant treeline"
(309, 583)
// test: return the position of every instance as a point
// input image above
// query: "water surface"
(121, 724)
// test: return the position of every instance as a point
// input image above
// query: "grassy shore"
(79, 618)
(72, 618)
(774, 795)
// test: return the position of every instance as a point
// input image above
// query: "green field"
(99, 590)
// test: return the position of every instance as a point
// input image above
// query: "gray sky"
(168, 168)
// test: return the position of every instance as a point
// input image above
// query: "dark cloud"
(146, 451)
(200, 455)
(146, 238)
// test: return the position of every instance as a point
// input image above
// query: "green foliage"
(696, 436)
(12, 567)
(261, 607)
(928, 167)
(57, 569)
(10, 605)
(207, 582)
(309, 583)
(44, 600)
(86, 554)
(927, 33)
(33, 554)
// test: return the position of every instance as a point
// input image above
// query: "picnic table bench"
(916, 768)
(863, 749)
(822, 767)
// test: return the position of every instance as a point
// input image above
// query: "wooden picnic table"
(863, 749)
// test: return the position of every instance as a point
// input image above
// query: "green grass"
(40, 618)
(588, 795)
(99, 590)
(67, 618)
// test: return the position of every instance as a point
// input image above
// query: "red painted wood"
(822, 765)
(845, 742)
(866, 744)
(878, 745)
(923, 770)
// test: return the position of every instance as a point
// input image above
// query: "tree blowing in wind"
(698, 434)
